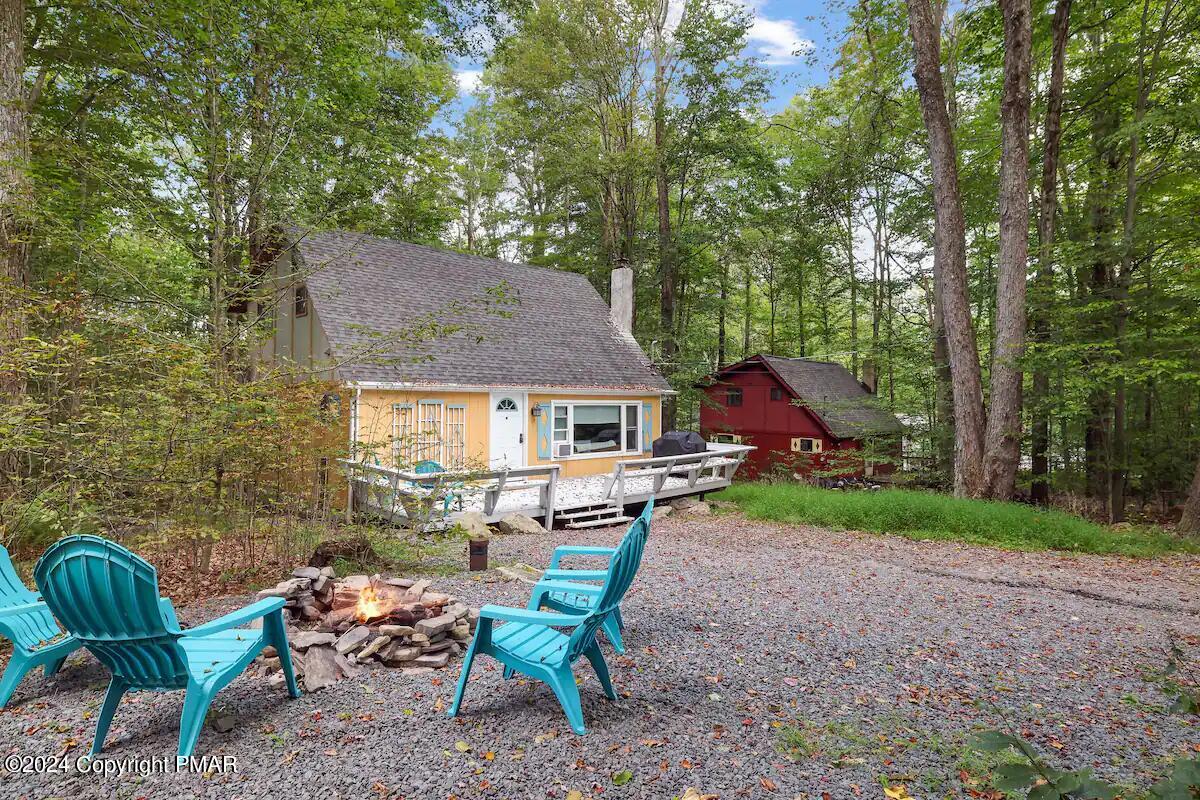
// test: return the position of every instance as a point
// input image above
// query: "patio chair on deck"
(25, 620)
(545, 593)
(453, 491)
(108, 598)
(527, 641)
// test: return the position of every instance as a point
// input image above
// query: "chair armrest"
(573, 550)
(547, 618)
(567, 586)
(575, 574)
(238, 618)
(24, 608)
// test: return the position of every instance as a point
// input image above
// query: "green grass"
(926, 515)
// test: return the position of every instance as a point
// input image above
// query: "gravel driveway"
(764, 661)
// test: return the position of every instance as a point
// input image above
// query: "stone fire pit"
(338, 626)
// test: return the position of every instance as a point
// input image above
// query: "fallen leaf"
(462, 746)
(621, 778)
(768, 784)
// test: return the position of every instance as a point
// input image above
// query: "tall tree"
(950, 257)
(1004, 412)
(1047, 208)
(15, 194)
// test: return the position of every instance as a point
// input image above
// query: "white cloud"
(467, 79)
(776, 41)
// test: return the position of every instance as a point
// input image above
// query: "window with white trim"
(455, 445)
(429, 431)
(583, 429)
(403, 429)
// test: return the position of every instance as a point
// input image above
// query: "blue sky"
(794, 39)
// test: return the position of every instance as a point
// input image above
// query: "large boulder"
(519, 524)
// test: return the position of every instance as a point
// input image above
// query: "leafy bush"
(926, 515)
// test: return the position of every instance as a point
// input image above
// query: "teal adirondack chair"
(545, 595)
(25, 620)
(527, 641)
(108, 598)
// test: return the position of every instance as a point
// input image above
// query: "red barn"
(803, 416)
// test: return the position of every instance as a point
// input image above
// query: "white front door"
(507, 447)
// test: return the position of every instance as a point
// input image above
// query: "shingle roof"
(835, 394)
(550, 327)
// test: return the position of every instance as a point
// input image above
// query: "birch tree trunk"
(1047, 208)
(1003, 449)
(15, 192)
(950, 253)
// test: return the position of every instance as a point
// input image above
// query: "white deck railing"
(718, 458)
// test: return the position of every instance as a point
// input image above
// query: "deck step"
(590, 512)
(597, 523)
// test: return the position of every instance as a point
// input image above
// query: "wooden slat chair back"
(107, 597)
(545, 594)
(27, 622)
(528, 642)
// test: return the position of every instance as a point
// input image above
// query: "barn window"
(733, 397)
(301, 301)
(776, 393)
(803, 444)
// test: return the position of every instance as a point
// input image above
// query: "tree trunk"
(950, 253)
(722, 315)
(1189, 523)
(1047, 207)
(666, 259)
(15, 194)
(1004, 415)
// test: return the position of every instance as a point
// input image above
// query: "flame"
(370, 606)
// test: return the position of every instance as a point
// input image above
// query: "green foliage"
(926, 515)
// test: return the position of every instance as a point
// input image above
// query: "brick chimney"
(621, 299)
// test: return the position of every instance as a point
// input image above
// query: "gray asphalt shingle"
(832, 391)
(404, 313)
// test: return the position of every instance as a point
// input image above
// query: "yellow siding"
(575, 467)
(375, 420)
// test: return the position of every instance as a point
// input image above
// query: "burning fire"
(370, 605)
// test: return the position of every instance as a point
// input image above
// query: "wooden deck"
(539, 492)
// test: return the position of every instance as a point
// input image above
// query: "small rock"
(683, 503)
(416, 670)
(312, 573)
(270, 652)
(352, 638)
(328, 572)
(377, 644)
(700, 509)
(433, 660)
(439, 624)
(321, 668)
(223, 723)
(661, 512)
(457, 609)
(519, 524)
(439, 646)
(400, 654)
(420, 639)
(396, 631)
(354, 582)
(400, 583)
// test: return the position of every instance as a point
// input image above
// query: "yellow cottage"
(468, 362)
